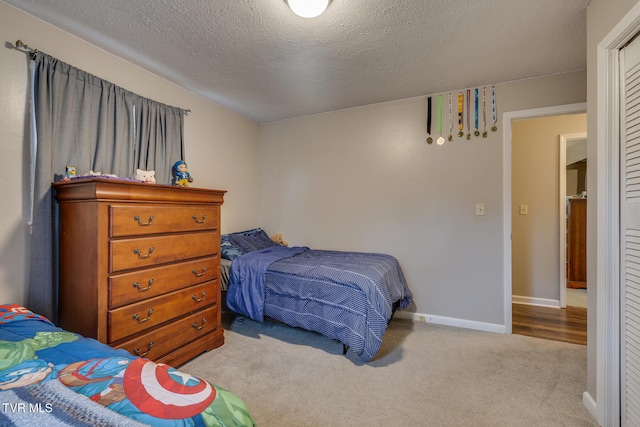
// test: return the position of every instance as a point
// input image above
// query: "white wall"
(221, 146)
(364, 179)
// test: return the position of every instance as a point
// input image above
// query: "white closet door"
(630, 236)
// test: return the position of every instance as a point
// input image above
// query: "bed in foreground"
(348, 296)
(49, 376)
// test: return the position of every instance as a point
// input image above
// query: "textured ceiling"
(257, 58)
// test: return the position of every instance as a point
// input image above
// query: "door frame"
(507, 136)
(606, 403)
(562, 189)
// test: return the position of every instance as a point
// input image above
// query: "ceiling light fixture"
(308, 8)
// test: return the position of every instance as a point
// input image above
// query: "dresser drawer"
(136, 286)
(139, 219)
(167, 338)
(142, 252)
(134, 318)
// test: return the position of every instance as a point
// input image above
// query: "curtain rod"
(20, 45)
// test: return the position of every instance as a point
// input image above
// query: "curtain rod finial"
(20, 45)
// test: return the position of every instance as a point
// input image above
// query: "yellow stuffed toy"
(279, 240)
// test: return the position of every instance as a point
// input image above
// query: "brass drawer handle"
(143, 224)
(140, 255)
(196, 327)
(149, 347)
(199, 221)
(194, 271)
(137, 286)
(196, 299)
(139, 320)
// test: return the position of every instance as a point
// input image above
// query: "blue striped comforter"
(348, 296)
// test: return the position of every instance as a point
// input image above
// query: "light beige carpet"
(424, 375)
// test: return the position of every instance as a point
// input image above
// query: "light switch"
(479, 209)
(524, 209)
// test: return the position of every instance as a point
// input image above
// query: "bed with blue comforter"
(52, 377)
(348, 296)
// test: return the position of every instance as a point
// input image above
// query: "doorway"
(540, 242)
(530, 293)
(573, 219)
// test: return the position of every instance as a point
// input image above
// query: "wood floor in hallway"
(558, 324)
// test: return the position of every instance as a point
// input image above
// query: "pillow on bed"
(252, 242)
(230, 250)
(227, 249)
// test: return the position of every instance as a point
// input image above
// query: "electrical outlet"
(524, 209)
(479, 209)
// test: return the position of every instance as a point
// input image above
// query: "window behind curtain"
(90, 123)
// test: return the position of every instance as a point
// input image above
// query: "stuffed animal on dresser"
(70, 172)
(145, 176)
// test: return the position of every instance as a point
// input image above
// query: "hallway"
(558, 324)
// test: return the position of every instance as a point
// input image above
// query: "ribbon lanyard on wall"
(484, 112)
(440, 138)
(460, 115)
(494, 109)
(429, 139)
(450, 118)
(476, 131)
(468, 114)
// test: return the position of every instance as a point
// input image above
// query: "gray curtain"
(159, 138)
(84, 121)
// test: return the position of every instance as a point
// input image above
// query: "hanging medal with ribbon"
(440, 138)
(484, 112)
(476, 132)
(468, 114)
(450, 119)
(429, 139)
(494, 109)
(460, 115)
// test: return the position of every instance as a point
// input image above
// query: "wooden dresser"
(577, 243)
(139, 266)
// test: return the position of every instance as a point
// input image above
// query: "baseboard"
(543, 302)
(591, 405)
(451, 321)
(471, 324)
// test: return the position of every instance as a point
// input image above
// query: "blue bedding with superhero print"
(40, 364)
